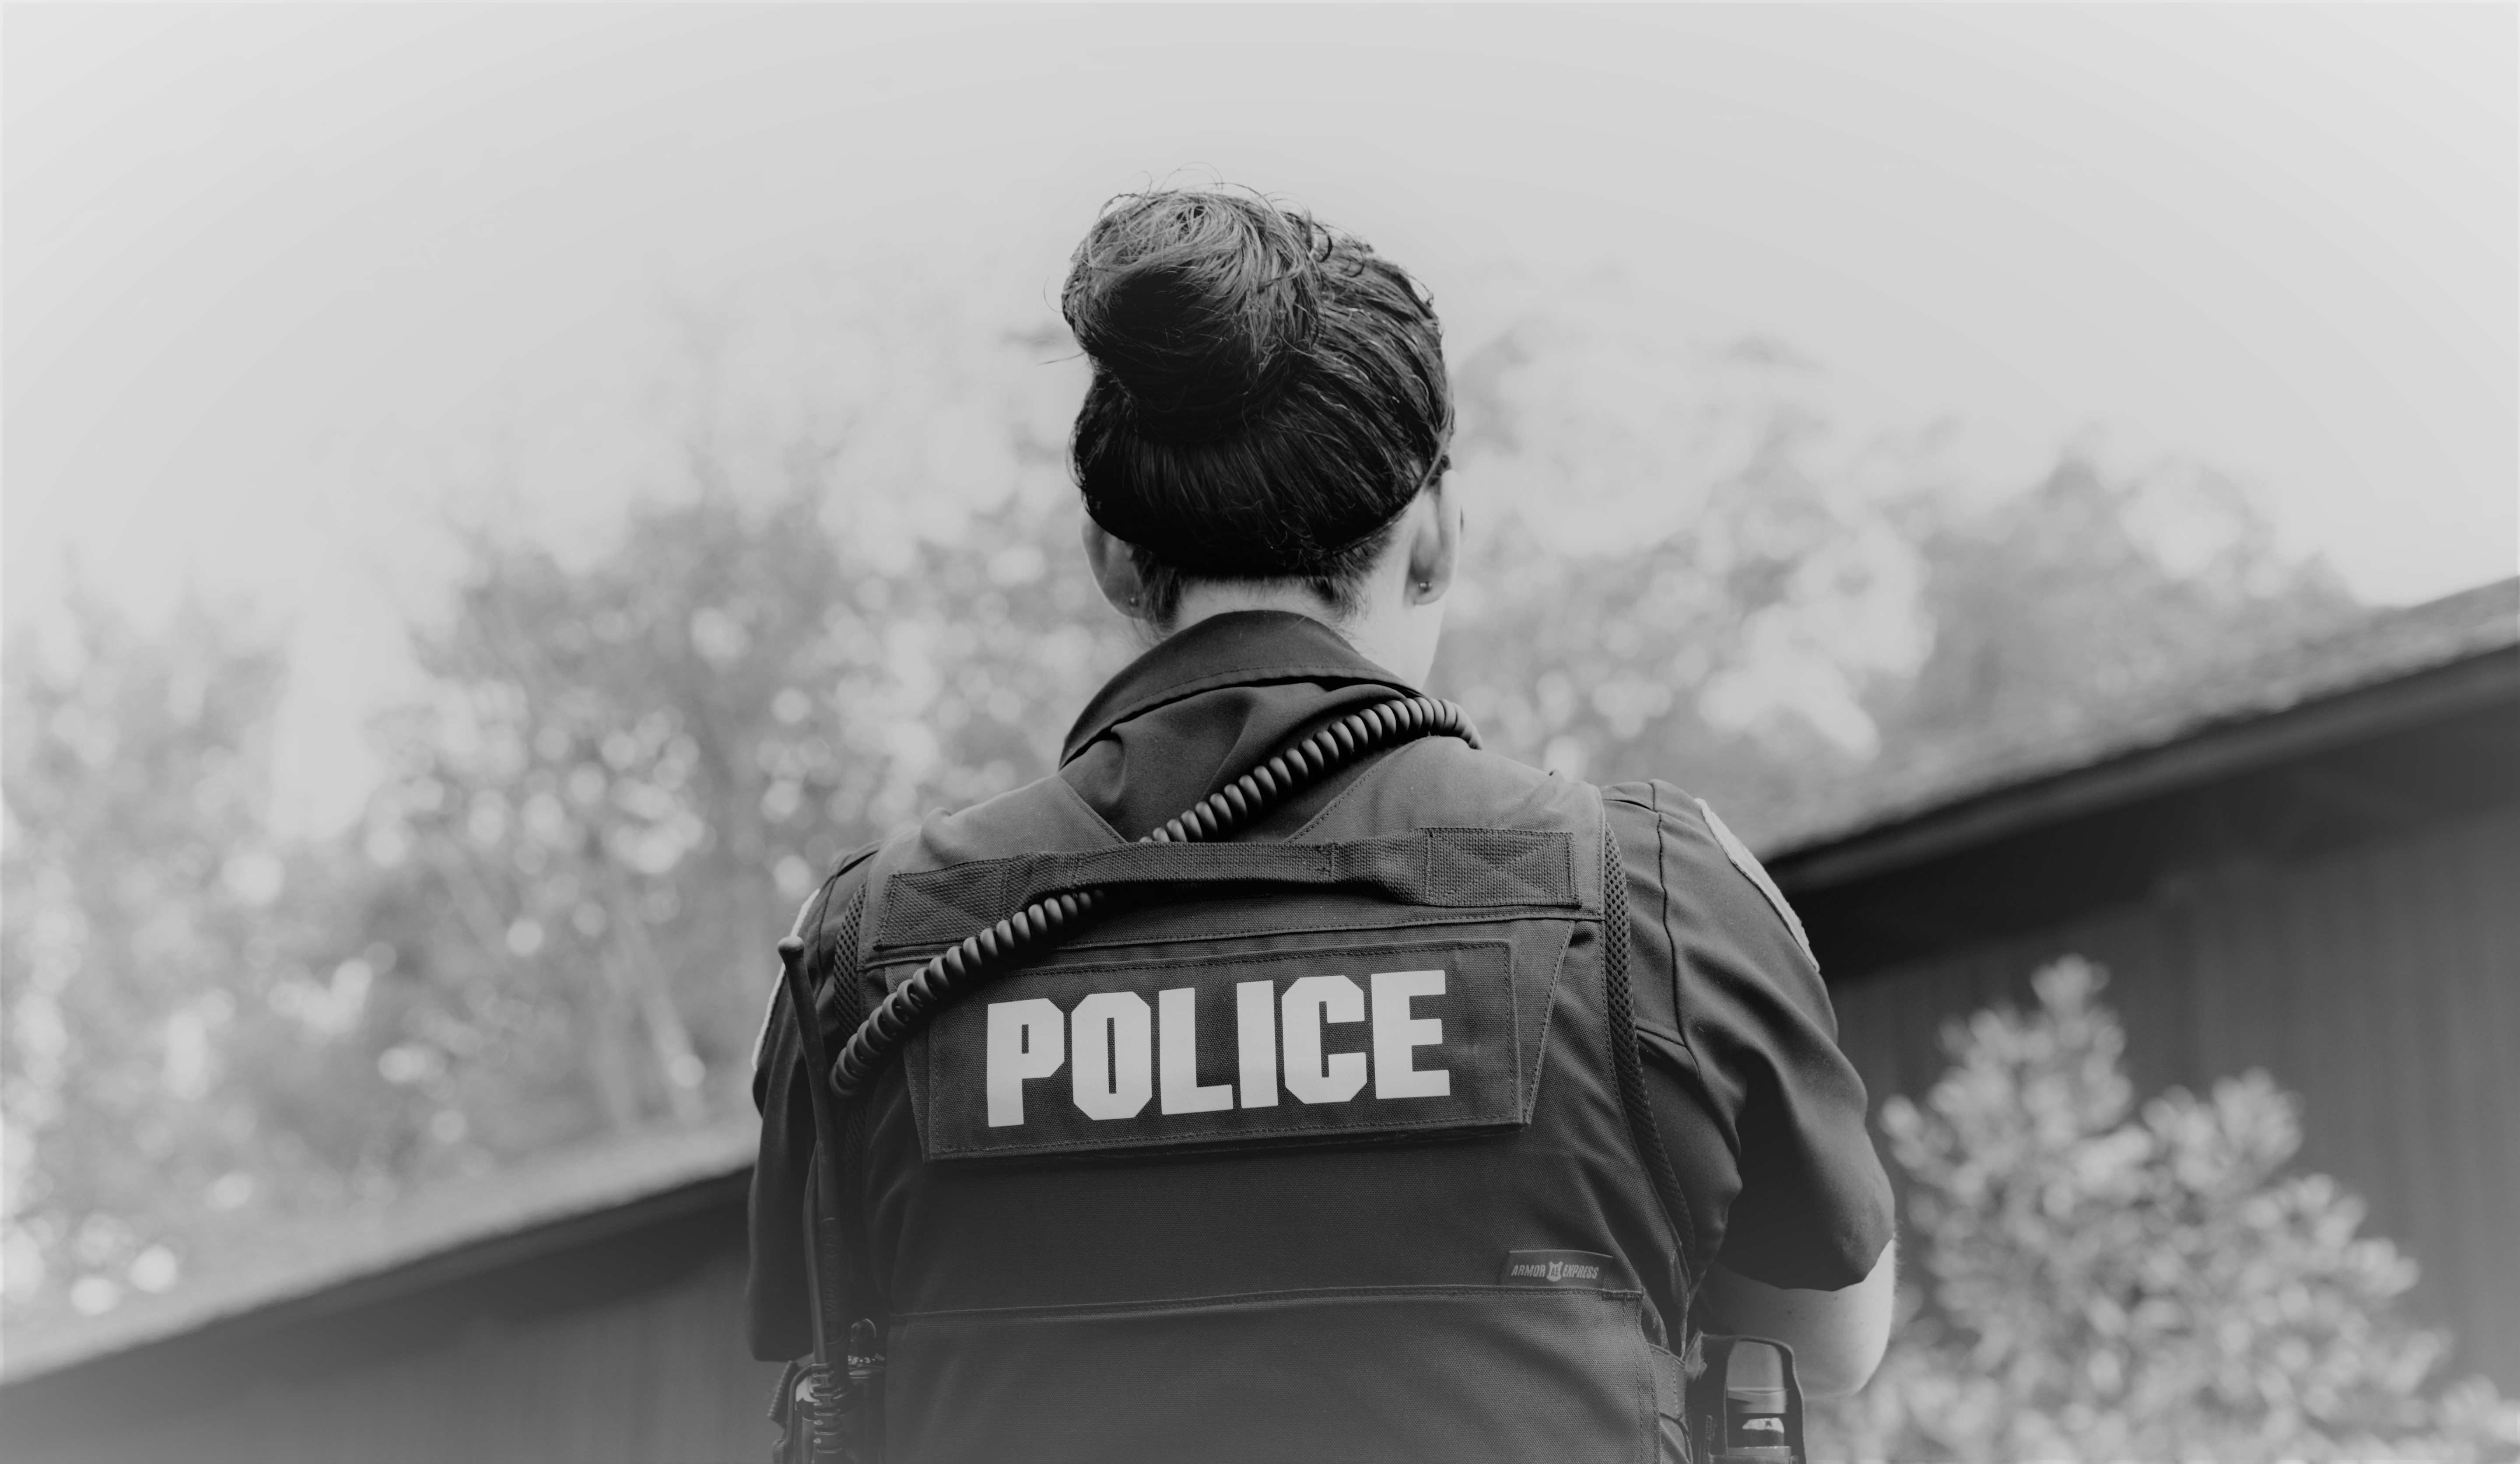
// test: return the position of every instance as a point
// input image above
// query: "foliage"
(148, 947)
(2096, 590)
(1692, 567)
(1753, 595)
(2110, 1282)
(633, 771)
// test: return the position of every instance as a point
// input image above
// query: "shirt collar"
(1240, 649)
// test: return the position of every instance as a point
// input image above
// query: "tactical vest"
(1327, 1147)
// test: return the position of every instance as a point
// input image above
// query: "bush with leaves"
(2110, 1282)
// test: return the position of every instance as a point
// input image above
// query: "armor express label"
(1354, 1041)
(1581, 1271)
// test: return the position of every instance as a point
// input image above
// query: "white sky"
(285, 287)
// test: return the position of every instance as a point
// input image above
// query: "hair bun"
(1268, 393)
(1196, 304)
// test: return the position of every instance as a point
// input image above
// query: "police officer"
(1433, 1114)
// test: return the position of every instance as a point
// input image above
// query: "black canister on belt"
(1745, 1408)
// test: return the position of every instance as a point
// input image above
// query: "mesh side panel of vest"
(1434, 866)
(839, 953)
(1673, 1295)
(840, 1238)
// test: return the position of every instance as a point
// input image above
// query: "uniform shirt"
(1763, 1116)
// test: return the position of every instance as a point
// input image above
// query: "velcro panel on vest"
(1456, 867)
(1394, 1036)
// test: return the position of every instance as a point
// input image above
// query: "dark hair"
(1268, 394)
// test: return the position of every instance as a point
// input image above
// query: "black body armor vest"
(1330, 1146)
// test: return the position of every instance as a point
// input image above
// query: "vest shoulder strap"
(1467, 867)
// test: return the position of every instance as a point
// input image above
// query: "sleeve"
(1765, 1119)
(776, 1303)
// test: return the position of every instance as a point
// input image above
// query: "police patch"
(1386, 1039)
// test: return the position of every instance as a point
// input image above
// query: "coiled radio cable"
(977, 958)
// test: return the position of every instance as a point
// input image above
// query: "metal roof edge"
(2247, 732)
(2198, 756)
(501, 1221)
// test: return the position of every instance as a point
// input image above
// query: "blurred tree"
(148, 938)
(633, 769)
(555, 921)
(1725, 614)
(1690, 565)
(2092, 590)
(2109, 1283)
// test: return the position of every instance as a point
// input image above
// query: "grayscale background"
(499, 498)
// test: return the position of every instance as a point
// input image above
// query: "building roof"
(2013, 772)
(342, 1260)
(460, 1227)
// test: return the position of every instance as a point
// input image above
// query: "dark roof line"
(2396, 668)
(461, 1229)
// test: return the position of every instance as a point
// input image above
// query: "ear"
(1434, 545)
(1115, 569)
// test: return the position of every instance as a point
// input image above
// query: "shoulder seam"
(1751, 870)
(1671, 942)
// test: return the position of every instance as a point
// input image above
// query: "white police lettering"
(1177, 1016)
(1114, 1075)
(1309, 1002)
(1124, 1054)
(1026, 1039)
(1255, 1008)
(1397, 1034)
